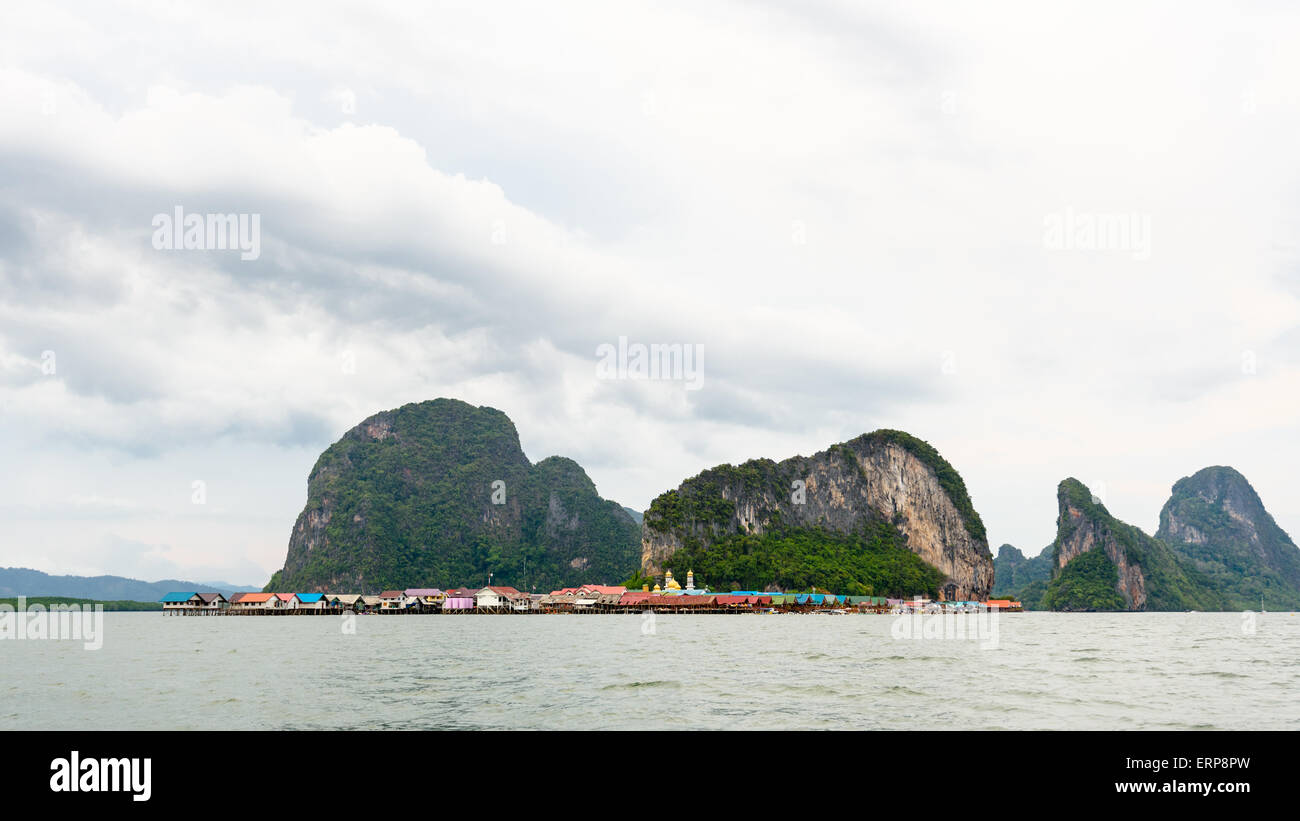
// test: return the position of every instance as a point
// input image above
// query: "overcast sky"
(868, 216)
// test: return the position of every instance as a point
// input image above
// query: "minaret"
(690, 579)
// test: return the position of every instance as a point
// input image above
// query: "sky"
(1051, 242)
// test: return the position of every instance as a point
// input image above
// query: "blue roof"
(178, 597)
(310, 597)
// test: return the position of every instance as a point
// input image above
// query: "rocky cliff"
(1139, 572)
(1019, 576)
(1217, 520)
(439, 494)
(887, 484)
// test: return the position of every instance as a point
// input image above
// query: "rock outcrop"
(1148, 574)
(1083, 527)
(439, 494)
(1013, 572)
(1217, 520)
(882, 477)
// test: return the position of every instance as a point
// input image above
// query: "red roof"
(508, 592)
(672, 601)
(286, 596)
(604, 589)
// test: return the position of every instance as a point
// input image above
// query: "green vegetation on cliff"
(1020, 578)
(440, 494)
(834, 519)
(872, 562)
(1087, 583)
(1171, 582)
(703, 500)
(949, 479)
(1014, 572)
(1216, 521)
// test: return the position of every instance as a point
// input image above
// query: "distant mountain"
(19, 581)
(881, 514)
(1215, 519)
(1101, 563)
(1021, 578)
(440, 494)
(637, 516)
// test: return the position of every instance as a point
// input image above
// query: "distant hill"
(20, 581)
(883, 514)
(1018, 577)
(637, 516)
(1101, 563)
(109, 606)
(1215, 519)
(440, 494)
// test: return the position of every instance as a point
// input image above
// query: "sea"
(1085, 671)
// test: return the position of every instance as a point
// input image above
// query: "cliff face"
(1148, 574)
(1217, 520)
(882, 477)
(1080, 529)
(1014, 572)
(439, 494)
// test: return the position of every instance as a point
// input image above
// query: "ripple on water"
(1050, 671)
(634, 685)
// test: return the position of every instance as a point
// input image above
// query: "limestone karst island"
(433, 508)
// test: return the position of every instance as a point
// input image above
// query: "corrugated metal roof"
(172, 598)
(508, 592)
(310, 598)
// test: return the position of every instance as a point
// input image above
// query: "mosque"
(672, 587)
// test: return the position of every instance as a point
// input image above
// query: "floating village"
(670, 597)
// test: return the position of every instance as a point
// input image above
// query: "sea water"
(1045, 670)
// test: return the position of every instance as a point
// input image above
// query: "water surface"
(1049, 670)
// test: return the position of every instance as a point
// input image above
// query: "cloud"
(844, 206)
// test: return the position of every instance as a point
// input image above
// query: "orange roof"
(256, 598)
(286, 596)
